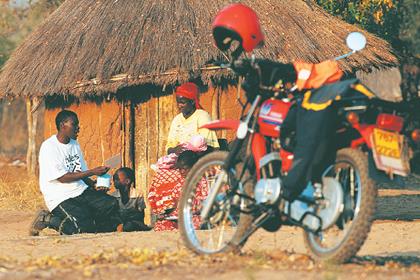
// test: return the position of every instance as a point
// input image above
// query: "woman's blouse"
(183, 129)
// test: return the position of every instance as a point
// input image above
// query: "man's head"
(67, 124)
(123, 178)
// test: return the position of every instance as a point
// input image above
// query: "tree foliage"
(397, 21)
(377, 16)
(410, 25)
(17, 21)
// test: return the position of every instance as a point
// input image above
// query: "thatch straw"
(85, 45)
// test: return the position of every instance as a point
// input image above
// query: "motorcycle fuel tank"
(271, 116)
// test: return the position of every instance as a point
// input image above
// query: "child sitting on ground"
(131, 209)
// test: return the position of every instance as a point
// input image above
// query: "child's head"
(123, 178)
(186, 160)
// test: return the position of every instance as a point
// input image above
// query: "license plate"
(390, 152)
(387, 143)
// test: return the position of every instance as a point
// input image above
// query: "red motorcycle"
(243, 186)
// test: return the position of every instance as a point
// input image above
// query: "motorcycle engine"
(267, 190)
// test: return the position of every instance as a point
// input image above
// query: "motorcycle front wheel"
(224, 227)
(342, 241)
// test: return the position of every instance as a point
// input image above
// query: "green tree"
(16, 22)
(6, 47)
(6, 21)
(376, 16)
(409, 31)
(397, 21)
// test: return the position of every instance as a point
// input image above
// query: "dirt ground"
(392, 251)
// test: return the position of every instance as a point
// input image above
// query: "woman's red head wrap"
(189, 91)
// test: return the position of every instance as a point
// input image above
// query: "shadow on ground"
(400, 207)
(406, 259)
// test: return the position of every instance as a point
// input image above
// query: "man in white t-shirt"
(67, 189)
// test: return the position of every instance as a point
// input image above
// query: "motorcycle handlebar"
(240, 66)
(261, 74)
(222, 64)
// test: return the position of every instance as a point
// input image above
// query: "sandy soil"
(392, 251)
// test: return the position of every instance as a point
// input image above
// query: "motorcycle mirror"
(356, 41)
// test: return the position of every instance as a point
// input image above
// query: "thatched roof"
(98, 46)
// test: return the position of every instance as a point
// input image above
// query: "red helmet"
(237, 22)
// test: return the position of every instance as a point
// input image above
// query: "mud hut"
(115, 62)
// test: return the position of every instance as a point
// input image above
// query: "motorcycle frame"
(258, 141)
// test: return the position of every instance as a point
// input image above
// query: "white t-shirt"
(55, 160)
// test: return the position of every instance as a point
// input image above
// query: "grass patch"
(18, 190)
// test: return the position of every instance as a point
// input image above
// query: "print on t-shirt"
(73, 163)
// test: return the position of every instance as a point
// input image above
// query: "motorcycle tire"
(361, 225)
(245, 220)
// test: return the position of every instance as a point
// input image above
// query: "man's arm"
(75, 176)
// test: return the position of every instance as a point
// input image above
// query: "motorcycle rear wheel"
(208, 238)
(351, 167)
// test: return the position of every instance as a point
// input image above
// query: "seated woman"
(187, 123)
(184, 134)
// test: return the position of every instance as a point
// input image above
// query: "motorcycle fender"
(258, 151)
(222, 125)
(366, 133)
(381, 177)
